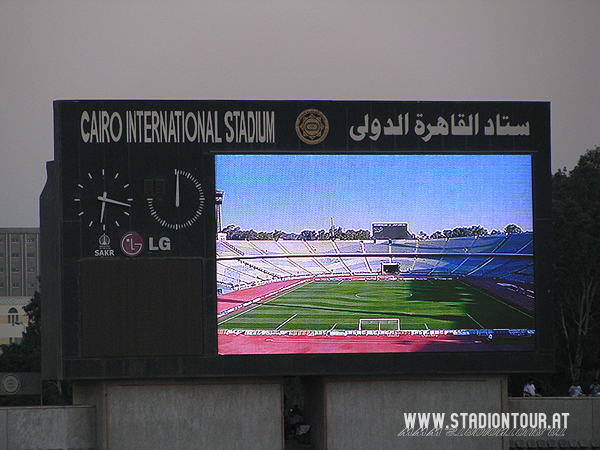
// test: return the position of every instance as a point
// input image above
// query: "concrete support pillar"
(179, 415)
(370, 413)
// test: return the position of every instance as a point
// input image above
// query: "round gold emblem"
(11, 384)
(312, 126)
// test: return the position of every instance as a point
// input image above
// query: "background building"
(13, 319)
(19, 279)
(19, 261)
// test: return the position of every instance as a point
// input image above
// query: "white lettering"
(454, 420)
(164, 243)
(250, 126)
(130, 120)
(173, 129)
(85, 117)
(242, 132)
(104, 119)
(208, 128)
(155, 123)
(191, 136)
(94, 127)
(229, 136)
(179, 127)
(103, 127)
(147, 127)
(116, 137)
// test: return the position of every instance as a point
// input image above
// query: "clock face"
(105, 199)
(175, 199)
(157, 192)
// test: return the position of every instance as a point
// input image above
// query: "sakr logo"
(104, 249)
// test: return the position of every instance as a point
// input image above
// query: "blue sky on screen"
(430, 192)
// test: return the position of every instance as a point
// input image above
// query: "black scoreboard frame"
(108, 263)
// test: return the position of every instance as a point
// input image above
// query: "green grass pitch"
(433, 304)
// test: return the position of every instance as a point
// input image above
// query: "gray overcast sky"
(276, 49)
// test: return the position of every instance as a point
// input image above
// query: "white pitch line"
(497, 299)
(279, 327)
(259, 304)
(471, 317)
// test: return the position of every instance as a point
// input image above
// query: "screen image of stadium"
(377, 253)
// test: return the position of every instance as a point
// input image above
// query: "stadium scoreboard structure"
(129, 239)
(390, 231)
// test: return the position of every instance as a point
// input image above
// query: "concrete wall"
(583, 422)
(345, 414)
(370, 413)
(67, 427)
(226, 415)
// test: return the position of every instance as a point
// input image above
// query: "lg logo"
(132, 244)
(164, 244)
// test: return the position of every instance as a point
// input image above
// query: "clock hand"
(103, 198)
(102, 211)
(177, 189)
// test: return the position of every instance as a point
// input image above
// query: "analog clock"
(105, 199)
(175, 200)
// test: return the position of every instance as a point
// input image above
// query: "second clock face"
(175, 199)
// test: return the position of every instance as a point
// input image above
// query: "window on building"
(13, 316)
(15, 254)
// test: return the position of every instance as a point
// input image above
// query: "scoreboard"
(391, 231)
(129, 228)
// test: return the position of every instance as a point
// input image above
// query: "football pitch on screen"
(417, 304)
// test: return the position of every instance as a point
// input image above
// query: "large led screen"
(302, 267)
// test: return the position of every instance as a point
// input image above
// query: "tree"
(478, 230)
(576, 286)
(437, 235)
(26, 355)
(512, 229)
(309, 235)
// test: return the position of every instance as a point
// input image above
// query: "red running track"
(245, 295)
(232, 344)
